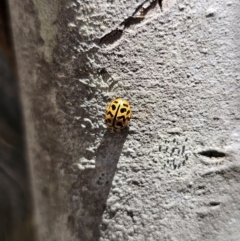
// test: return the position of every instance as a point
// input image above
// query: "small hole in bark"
(130, 214)
(136, 183)
(214, 203)
(212, 153)
(201, 187)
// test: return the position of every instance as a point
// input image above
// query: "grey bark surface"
(174, 174)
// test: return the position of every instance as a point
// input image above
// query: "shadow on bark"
(16, 222)
(94, 186)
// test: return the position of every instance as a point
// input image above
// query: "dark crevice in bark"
(212, 153)
(137, 17)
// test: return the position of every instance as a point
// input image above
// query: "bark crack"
(138, 16)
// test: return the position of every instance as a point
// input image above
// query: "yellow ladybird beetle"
(118, 114)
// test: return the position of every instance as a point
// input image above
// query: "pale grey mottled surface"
(174, 175)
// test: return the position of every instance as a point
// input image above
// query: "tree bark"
(174, 174)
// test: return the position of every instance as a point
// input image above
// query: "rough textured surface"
(174, 175)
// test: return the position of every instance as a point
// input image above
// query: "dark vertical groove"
(15, 196)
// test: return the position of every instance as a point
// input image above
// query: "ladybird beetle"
(118, 114)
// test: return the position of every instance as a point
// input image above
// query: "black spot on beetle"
(122, 110)
(125, 105)
(122, 117)
(113, 107)
(110, 113)
(128, 112)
